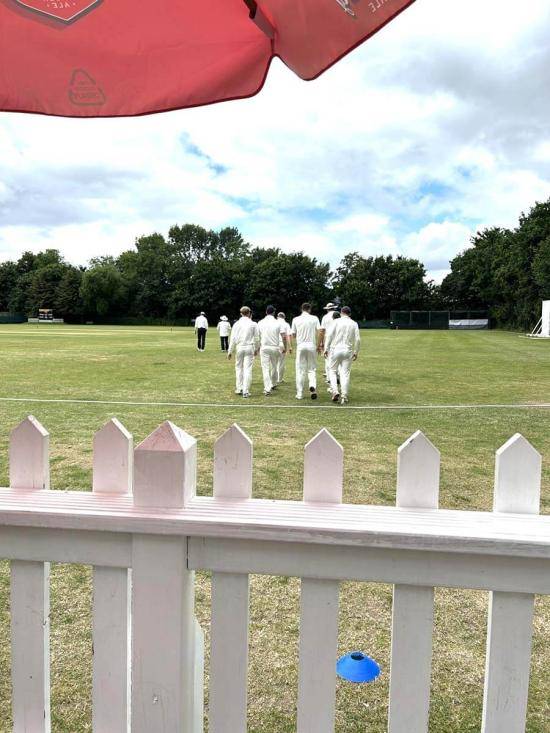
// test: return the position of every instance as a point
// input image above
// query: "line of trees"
(506, 271)
(171, 279)
(194, 269)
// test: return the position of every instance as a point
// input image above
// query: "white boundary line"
(272, 406)
(110, 332)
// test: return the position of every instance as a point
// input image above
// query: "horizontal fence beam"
(484, 572)
(424, 568)
(106, 549)
(286, 521)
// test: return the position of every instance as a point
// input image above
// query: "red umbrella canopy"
(100, 58)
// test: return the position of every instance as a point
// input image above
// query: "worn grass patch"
(395, 368)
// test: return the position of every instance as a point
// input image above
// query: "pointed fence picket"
(323, 481)
(230, 597)
(30, 591)
(412, 622)
(154, 527)
(113, 462)
(510, 628)
(163, 630)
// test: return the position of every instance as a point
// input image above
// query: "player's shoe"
(246, 395)
(299, 397)
(267, 392)
(238, 391)
(335, 397)
(313, 393)
(343, 400)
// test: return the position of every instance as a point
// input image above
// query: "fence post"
(510, 627)
(30, 592)
(230, 597)
(113, 462)
(319, 600)
(412, 615)
(163, 628)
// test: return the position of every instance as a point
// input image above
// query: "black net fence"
(439, 319)
(420, 319)
(12, 318)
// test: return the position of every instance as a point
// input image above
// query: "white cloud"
(435, 127)
(364, 224)
(436, 243)
(542, 151)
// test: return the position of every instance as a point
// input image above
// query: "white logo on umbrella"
(63, 10)
(346, 5)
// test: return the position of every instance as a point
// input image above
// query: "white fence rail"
(145, 532)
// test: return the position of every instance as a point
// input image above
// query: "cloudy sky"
(437, 126)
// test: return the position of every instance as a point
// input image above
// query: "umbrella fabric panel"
(314, 34)
(124, 57)
(89, 58)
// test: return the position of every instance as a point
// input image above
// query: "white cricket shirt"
(305, 329)
(270, 332)
(244, 333)
(284, 330)
(344, 333)
(327, 320)
(224, 328)
(201, 322)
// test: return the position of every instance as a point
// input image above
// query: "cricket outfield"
(468, 391)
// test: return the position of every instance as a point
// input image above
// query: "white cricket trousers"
(244, 358)
(340, 366)
(306, 367)
(281, 366)
(269, 359)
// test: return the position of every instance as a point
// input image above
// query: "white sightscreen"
(545, 318)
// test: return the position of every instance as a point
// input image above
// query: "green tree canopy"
(102, 290)
(373, 286)
(506, 272)
(286, 281)
(194, 269)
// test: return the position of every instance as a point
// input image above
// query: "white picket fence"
(145, 532)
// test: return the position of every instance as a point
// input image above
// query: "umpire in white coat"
(224, 329)
(201, 327)
(341, 348)
(245, 342)
(305, 329)
(270, 348)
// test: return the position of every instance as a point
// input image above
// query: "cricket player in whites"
(326, 322)
(305, 329)
(245, 341)
(270, 349)
(341, 348)
(285, 339)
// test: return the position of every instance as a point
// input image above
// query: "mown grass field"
(396, 369)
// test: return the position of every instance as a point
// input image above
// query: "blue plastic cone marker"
(356, 667)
